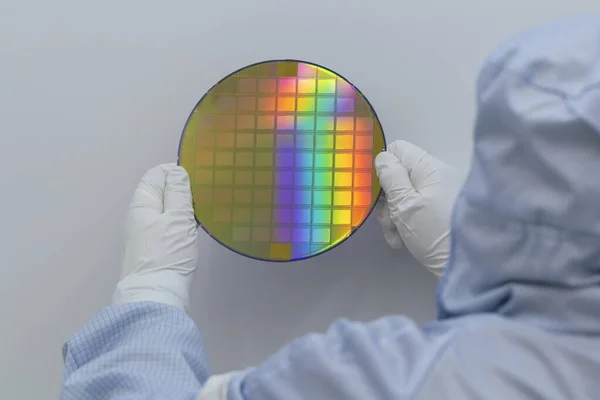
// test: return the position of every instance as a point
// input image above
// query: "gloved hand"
(161, 250)
(419, 194)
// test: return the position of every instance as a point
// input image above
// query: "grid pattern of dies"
(282, 160)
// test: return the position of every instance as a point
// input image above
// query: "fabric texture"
(135, 351)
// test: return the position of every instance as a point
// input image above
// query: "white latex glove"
(419, 194)
(161, 250)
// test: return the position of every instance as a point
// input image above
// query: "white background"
(94, 93)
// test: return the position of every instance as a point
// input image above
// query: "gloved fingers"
(394, 178)
(177, 193)
(390, 232)
(409, 155)
(402, 198)
(148, 196)
(423, 169)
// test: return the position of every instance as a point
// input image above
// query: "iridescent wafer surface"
(280, 156)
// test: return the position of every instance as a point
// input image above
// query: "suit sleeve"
(134, 351)
(387, 359)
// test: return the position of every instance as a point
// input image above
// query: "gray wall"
(94, 93)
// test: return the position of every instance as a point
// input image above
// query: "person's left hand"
(161, 250)
(419, 195)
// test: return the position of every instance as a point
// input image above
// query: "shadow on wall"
(247, 309)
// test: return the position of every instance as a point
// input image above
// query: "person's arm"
(388, 358)
(145, 346)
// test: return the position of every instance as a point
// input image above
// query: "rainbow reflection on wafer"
(280, 156)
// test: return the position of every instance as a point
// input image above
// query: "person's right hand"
(419, 194)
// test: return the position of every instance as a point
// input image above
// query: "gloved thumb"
(178, 195)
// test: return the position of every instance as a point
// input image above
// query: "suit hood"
(525, 235)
